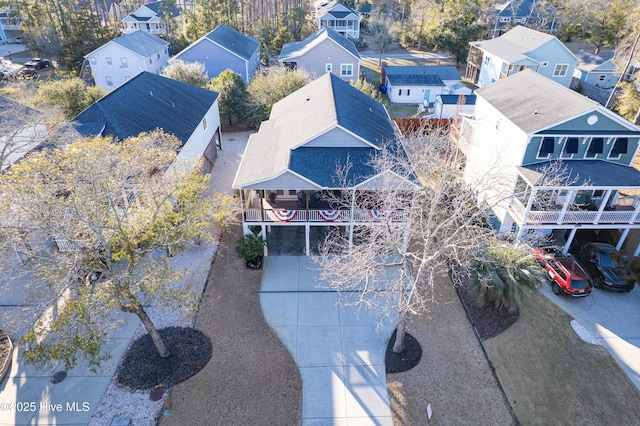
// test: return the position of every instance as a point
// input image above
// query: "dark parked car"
(604, 265)
(566, 275)
(37, 64)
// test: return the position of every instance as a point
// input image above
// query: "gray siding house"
(224, 48)
(322, 52)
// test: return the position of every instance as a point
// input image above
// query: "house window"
(560, 70)
(109, 81)
(571, 146)
(486, 60)
(505, 19)
(546, 147)
(602, 77)
(204, 123)
(346, 70)
(158, 58)
(619, 148)
(328, 67)
(109, 61)
(595, 147)
(523, 20)
(399, 92)
(408, 92)
(94, 61)
(123, 62)
(150, 60)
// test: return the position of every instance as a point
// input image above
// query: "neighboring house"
(10, 32)
(454, 106)
(521, 126)
(288, 173)
(535, 14)
(148, 102)
(150, 18)
(520, 48)
(338, 17)
(121, 59)
(421, 84)
(22, 129)
(322, 52)
(224, 48)
(595, 75)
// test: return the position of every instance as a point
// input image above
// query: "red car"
(566, 275)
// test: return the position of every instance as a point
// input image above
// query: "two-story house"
(148, 102)
(150, 18)
(556, 159)
(534, 14)
(322, 52)
(518, 49)
(340, 18)
(288, 178)
(224, 48)
(122, 58)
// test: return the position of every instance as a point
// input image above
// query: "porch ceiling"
(592, 173)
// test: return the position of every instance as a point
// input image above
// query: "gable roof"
(513, 45)
(421, 75)
(243, 46)
(158, 5)
(297, 48)
(14, 113)
(517, 8)
(590, 62)
(322, 105)
(139, 42)
(526, 99)
(145, 103)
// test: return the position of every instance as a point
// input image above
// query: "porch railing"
(581, 216)
(324, 216)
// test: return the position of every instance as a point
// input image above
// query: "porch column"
(565, 205)
(603, 204)
(532, 196)
(351, 237)
(637, 252)
(261, 206)
(565, 249)
(307, 232)
(622, 238)
(636, 214)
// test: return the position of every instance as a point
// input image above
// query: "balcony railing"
(581, 217)
(324, 216)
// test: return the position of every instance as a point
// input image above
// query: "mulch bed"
(405, 360)
(142, 368)
(487, 320)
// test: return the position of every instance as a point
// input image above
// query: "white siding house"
(421, 84)
(150, 18)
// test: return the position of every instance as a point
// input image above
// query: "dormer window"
(619, 148)
(595, 147)
(546, 147)
(571, 147)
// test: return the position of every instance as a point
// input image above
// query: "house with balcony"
(339, 17)
(119, 60)
(519, 49)
(10, 30)
(556, 160)
(224, 48)
(150, 18)
(535, 14)
(290, 179)
(323, 51)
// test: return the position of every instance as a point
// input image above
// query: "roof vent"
(535, 112)
(150, 93)
(308, 98)
(370, 109)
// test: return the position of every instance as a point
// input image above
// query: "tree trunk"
(398, 345)
(153, 332)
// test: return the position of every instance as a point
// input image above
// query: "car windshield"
(579, 283)
(611, 261)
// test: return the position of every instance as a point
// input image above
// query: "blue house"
(148, 102)
(224, 48)
(595, 75)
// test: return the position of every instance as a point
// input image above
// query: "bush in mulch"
(142, 368)
(405, 360)
(487, 320)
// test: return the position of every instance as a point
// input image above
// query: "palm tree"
(501, 272)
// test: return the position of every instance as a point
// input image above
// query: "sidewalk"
(338, 351)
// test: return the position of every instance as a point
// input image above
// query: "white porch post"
(637, 252)
(603, 204)
(636, 214)
(565, 205)
(307, 234)
(532, 196)
(565, 249)
(350, 237)
(622, 238)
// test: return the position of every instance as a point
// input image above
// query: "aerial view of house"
(150, 18)
(117, 61)
(518, 49)
(521, 139)
(224, 48)
(148, 102)
(339, 17)
(323, 51)
(288, 174)
(417, 84)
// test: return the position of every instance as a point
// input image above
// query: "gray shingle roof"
(297, 48)
(161, 6)
(588, 61)
(145, 103)
(230, 39)
(513, 45)
(322, 105)
(12, 112)
(534, 102)
(595, 172)
(141, 42)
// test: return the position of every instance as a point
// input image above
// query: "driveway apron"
(339, 351)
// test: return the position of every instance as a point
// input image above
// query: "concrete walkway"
(338, 351)
(613, 319)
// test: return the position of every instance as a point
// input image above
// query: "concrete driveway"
(613, 319)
